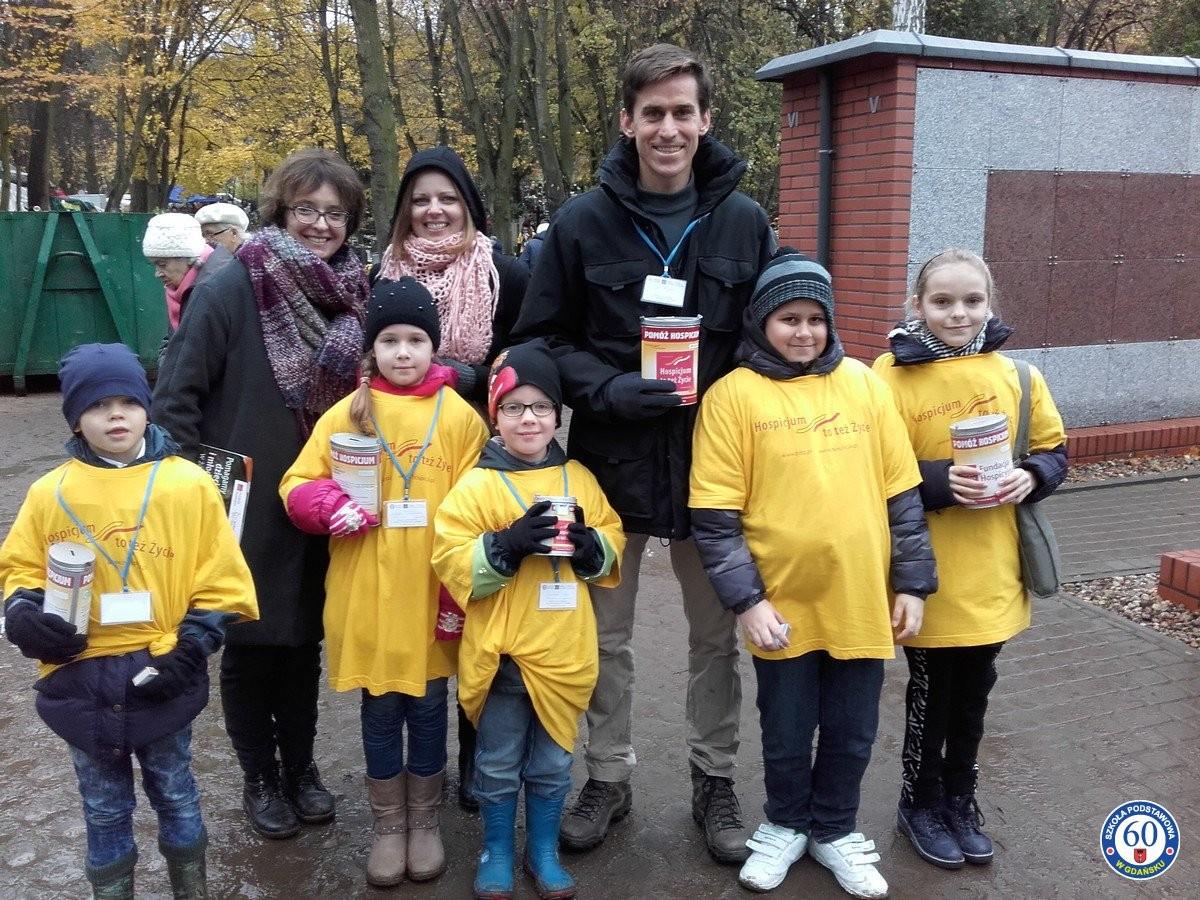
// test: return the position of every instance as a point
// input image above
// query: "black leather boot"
(311, 802)
(269, 812)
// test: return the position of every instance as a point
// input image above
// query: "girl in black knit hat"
(391, 631)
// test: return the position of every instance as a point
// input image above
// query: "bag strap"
(1022, 445)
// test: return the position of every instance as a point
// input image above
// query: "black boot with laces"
(715, 808)
(963, 818)
(600, 803)
(269, 812)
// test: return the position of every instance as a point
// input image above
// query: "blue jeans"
(106, 787)
(383, 721)
(512, 746)
(839, 699)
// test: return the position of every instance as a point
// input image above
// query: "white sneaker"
(851, 860)
(775, 849)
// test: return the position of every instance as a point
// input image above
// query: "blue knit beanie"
(91, 372)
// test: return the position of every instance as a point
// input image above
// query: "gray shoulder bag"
(1040, 564)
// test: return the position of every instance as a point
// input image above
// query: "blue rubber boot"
(542, 818)
(494, 875)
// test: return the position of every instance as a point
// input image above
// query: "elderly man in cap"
(223, 224)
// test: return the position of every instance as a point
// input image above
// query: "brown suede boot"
(426, 856)
(386, 864)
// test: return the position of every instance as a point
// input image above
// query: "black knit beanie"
(91, 372)
(403, 302)
(524, 364)
(791, 276)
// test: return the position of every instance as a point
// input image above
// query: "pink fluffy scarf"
(465, 286)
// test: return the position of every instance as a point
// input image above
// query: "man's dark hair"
(659, 62)
(307, 170)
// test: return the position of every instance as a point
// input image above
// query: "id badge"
(558, 595)
(126, 608)
(664, 291)
(406, 514)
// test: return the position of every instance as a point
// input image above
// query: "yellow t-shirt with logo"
(381, 593)
(186, 555)
(980, 598)
(555, 649)
(810, 463)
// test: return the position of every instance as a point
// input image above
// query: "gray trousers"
(714, 690)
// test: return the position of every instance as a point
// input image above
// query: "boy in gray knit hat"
(807, 515)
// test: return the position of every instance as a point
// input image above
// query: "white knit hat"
(173, 235)
(223, 214)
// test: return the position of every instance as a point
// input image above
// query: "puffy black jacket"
(584, 298)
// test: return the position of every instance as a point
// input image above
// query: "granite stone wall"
(1084, 195)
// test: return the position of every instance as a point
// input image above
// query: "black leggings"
(270, 699)
(945, 704)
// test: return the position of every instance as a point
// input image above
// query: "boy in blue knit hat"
(168, 577)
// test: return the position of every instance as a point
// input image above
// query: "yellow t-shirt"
(381, 594)
(810, 463)
(980, 598)
(556, 649)
(186, 555)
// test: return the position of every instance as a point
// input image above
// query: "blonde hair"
(404, 217)
(361, 407)
(948, 257)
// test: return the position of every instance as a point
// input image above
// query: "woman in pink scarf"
(439, 237)
(174, 245)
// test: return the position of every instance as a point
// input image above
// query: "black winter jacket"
(722, 544)
(216, 387)
(584, 298)
(1048, 467)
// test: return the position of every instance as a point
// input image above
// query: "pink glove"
(450, 618)
(313, 505)
(350, 519)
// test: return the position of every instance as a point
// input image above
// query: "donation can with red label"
(70, 570)
(983, 442)
(671, 352)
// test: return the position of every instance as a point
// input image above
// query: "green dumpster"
(70, 278)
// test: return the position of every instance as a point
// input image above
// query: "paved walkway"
(1090, 711)
(1121, 529)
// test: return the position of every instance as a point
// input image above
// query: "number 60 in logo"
(1139, 840)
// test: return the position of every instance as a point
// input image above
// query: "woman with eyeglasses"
(439, 237)
(264, 348)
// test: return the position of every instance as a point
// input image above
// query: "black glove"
(630, 396)
(182, 668)
(37, 634)
(528, 534)
(587, 545)
(468, 375)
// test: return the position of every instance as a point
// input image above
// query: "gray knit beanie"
(791, 276)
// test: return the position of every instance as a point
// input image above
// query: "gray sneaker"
(599, 804)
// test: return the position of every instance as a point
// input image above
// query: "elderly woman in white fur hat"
(175, 247)
(223, 225)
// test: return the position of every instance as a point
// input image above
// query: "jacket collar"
(716, 171)
(755, 353)
(159, 445)
(909, 351)
(494, 456)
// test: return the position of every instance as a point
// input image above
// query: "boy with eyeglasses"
(528, 661)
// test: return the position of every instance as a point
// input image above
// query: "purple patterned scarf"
(311, 313)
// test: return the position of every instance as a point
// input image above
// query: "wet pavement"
(1090, 711)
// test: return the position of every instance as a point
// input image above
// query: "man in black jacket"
(665, 234)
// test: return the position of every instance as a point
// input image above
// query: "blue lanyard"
(123, 571)
(512, 488)
(667, 260)
(407, 476)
